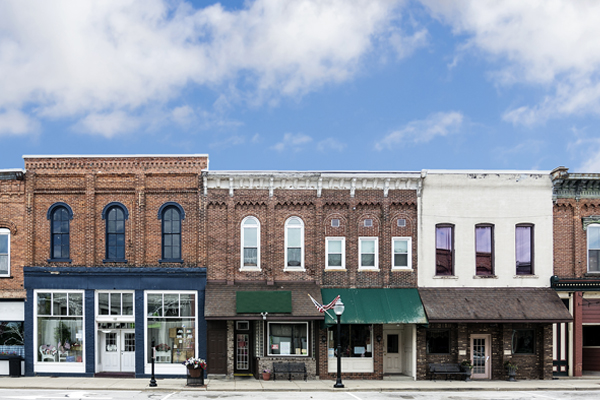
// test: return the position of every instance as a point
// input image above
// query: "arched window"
(4, 252)
(250, 236)
(294, 243)
(60, 215)
(171, 215)
(115, 215)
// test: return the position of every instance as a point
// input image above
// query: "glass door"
(480, 356)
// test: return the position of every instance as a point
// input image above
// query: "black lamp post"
(338, 308)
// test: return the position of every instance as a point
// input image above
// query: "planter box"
(5, 366)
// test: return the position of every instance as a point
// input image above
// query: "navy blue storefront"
(87, 321)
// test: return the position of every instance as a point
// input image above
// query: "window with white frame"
(368, 257)
(294, 243)
(593, 243)
(59, 328)
(288, 339)
(401, 253)
(335, 247)
(4, 252)
(171, 325)
(250, 236)
(115, 303)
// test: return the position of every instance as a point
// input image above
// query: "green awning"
(377, 306)
(264, 301)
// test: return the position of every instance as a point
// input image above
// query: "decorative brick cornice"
(592, 219)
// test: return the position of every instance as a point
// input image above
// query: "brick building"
(12, 259)
(577, 270)
(485, 263)
(274, 237)
(115, 260)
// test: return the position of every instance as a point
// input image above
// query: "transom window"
(294, 243)
(524, 249)
(593, 243)
(401, 252)
(368, 257)
(250, 243)
(171, 233)
(4, 252)
(335, 248)
(115, 233)
(112, 303)
(484, 249)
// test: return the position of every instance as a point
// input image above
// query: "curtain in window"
(443, 244)
(483, 248)
(523, 249)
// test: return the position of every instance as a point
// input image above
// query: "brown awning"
(221, 298)
(493, 305)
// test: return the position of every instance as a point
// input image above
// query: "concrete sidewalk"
(253, 385)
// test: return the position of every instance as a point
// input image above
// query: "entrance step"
(114, 375)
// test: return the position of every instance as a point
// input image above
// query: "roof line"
(114, 155)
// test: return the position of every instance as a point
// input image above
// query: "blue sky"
(305, 85)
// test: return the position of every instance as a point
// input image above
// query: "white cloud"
(15, 122)
(234, 140)
(108, 124)
(71, 59)
(331, 144)
(423, 131)
(293, 142)
(552, 44)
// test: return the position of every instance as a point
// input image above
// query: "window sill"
(367, 269)
(163, 261)
(335, 269)
(294, 269)
(250, 269)
(401, 269)
(485, 276)
(115, 261)
(445, 277)
(526, 277)
(59, 260)
(592, 273)
(6, 277)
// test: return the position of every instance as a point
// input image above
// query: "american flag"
(322, 307)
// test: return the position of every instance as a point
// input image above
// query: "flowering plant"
(194, 362)
(163, 347)
(8, 353)
(266, 371)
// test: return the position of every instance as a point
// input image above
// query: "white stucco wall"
(501, 198)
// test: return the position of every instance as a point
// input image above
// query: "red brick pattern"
(12, 217)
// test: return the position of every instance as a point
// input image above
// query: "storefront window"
(356, 340)
(12, 338)
(288, 339)
(523, 341)
(60, 333)
(438, 341)
(171, 321)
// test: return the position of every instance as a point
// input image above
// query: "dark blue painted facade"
(99, 278)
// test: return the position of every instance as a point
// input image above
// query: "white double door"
(118, 351)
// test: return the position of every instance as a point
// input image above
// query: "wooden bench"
(289, 368)
(447, 369)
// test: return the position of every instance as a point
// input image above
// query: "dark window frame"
(428, 338)
(106, 215)
(168, 237)
(64, 235)
(523, 269)
(441, 254)
(480, 257)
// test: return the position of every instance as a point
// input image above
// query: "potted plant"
(512, 370)
(466, 367)
(266, 374)
(196, 367)
(62, 333)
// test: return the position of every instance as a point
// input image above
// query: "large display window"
(171, 325)
(288, 339)
(357, 348)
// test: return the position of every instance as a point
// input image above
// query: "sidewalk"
(253, 385)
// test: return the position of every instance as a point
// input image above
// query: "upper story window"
(294, 243)
(250, 243)
(524, 249)
(484, 249)
(115, 215)
(593, 245)
(171, 214)
(335, 248)
(401, 253)
(4, 252)
(60, 215)
(444, 249)
(368, 255)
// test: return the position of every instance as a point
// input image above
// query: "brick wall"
(12, 217)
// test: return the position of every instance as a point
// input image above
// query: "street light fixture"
(338, 309)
